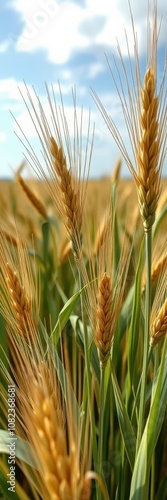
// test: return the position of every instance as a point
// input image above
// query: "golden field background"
(96, 187)
(56, 269)
(13, 200)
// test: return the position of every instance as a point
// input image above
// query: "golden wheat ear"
(69, 195)
(47, 421)
(158, 268)
(32, 197)
(67, 162)
(104, 289)
(19, 303)
(145, 111)
(159, 260)
(148, 151)
(109, 300)
(158, 320)
(159, 326)
(104, 332)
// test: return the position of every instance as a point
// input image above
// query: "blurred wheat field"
(13, 199)
(24, 229)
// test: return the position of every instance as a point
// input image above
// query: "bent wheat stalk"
(38, 205)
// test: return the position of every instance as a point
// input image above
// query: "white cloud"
(62, 29)
(3, 136)
(9, 89)
(103, 145)
(13, 97)
(4, 46)
(25, 122)
(51, 26)
(95, 69)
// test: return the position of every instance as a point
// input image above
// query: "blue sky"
(50, 41)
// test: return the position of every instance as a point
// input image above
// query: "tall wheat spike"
(104, 290)
(69, 193)
(145, 112)
(67, 161)
(148, 177)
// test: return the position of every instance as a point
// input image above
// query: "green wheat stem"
(88, 376)
(148, 248)
(153, 463)
(101, 424)
(152, 486)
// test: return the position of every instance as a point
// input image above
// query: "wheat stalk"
(101, 234)
(116, 172)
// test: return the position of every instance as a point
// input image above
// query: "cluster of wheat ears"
(83, 332)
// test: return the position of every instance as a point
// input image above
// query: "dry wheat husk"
(159, 326)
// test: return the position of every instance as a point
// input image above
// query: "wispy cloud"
(9, 89)
(65, 28)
